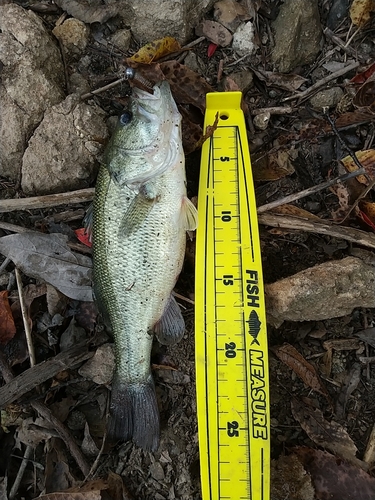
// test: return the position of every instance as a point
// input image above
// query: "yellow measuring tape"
(230, 325)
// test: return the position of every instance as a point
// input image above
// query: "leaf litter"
(78, 394)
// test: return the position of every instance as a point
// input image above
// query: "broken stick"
(314, 226)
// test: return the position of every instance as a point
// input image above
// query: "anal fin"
(171, 327)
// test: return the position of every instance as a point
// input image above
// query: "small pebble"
(261, 121)
(326, 98)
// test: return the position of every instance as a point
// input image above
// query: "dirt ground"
(331, 346)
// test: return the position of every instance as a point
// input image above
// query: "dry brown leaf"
(7, 326)
(116, 488)
(283, 81)
(352, 118)
(156, 50)
(214, 32)
(367, 160)
(365, 97)
(305, 370)
(360, 12)
(335, 479)
(230, 13)
(273, 166)
(329, 435)
(342, 344)
(187, 86)
(289, 479)
(343, 195)
(191, 129)
(295, 211)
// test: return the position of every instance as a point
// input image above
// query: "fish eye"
(126, 118)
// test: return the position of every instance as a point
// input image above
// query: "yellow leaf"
(360, 12)
(155, 50)
(368, 208)
(366, 159)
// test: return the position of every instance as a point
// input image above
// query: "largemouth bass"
(140, 216)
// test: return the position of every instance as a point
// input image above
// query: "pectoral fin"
(138, 211)
(189, 215)
(171, 327)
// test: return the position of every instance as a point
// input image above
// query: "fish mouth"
(150, 106)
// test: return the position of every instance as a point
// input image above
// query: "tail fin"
(134, 414)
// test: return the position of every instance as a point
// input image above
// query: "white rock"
(243, 39)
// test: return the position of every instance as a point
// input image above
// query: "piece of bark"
(49, 200)
(328, 290)
(313, 226)
(41, 372)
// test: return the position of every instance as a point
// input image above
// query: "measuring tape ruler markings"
(231, 342)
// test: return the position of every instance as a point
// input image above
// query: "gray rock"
(326, 98)
(62, 154)
(32, 79)
(298, 34)
(195, 63)
(328, 290)
(121, 39)
(152, 20)
(243, 39)
(243, 79)
(78, 84)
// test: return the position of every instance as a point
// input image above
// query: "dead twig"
(64, 434)
(276, 110)
(31, 378)
(25, 319)
(103, 89)
(309, 191)
(314, 226)
(21, 471)
(360, 197)
(342, 142)
(185, 52)
(323, 81)
(349, 50)
(49, 200)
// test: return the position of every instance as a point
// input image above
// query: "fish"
(140, 216)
